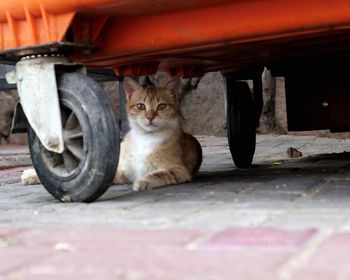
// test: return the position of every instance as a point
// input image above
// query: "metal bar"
(123, 122)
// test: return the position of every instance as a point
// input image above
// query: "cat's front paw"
(29, 177)
(141, 185)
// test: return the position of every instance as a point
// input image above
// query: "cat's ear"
(130, 86)
(174, 86)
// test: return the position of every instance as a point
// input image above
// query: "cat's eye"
(161, 106)
(141, 106)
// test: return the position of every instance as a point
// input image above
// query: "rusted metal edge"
(49, 48)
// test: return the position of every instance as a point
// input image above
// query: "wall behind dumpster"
(203, 109)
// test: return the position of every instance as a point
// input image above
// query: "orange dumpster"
(186, 38)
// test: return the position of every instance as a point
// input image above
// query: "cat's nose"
(150, 116)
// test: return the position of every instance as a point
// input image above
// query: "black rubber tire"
(94, 172)
(241, 123)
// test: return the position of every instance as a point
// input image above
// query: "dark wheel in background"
(241, 122)
(86, 168)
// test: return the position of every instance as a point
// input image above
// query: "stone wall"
(8, 100)
(203, 108)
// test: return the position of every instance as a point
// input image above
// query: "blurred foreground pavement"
(283, 219)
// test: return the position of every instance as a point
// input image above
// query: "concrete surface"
(282, 219)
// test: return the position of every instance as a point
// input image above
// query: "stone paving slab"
(282, 219)
(14, 155)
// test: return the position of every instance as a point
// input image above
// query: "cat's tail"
(29, 177)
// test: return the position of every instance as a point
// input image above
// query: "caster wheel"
(241, 123)
(86, 168)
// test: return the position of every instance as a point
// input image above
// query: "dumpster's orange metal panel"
(186, 37)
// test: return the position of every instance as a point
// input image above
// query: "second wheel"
(241, 122)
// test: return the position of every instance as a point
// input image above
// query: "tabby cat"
(156, 151)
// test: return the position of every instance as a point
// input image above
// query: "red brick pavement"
(237, 253)
(330, 262)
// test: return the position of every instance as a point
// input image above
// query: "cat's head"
(153, 109)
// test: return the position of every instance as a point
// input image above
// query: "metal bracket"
(37, 89)
(19, 121)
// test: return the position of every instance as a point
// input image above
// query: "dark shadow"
(268, 174)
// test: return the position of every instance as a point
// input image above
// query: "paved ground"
(283, 219)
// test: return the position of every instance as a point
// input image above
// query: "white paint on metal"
(37, 88)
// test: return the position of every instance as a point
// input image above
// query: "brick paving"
(282, 219)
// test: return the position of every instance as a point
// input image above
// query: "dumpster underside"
(184, 38)
(280, 53)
